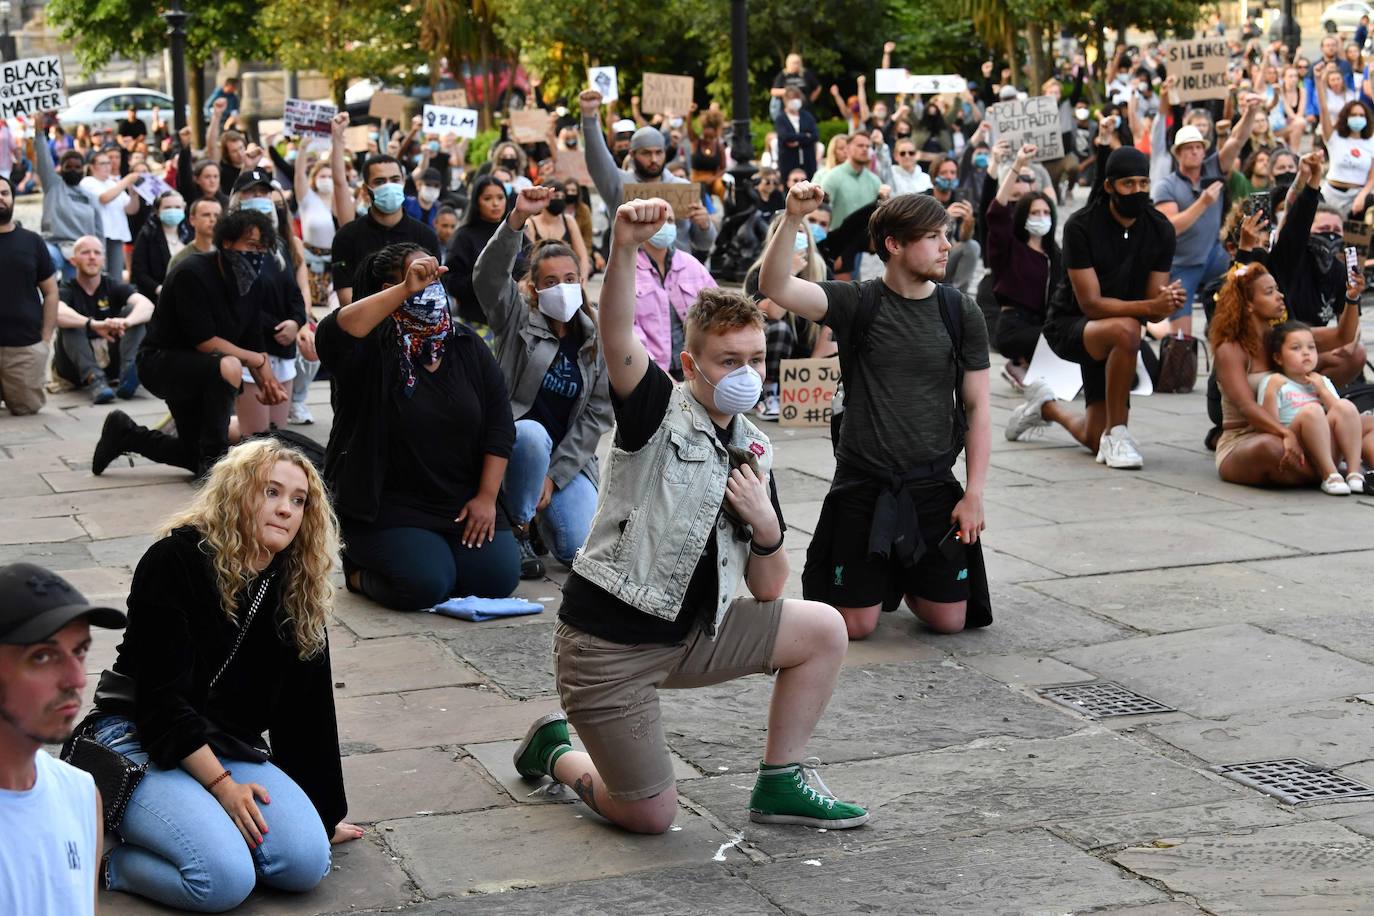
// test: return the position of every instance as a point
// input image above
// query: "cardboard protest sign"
(461, 122)
(1033, 120)
(307, 119)
(388, 105)
(664, 93)
(603, 80)
(530, 125)
(357, 139)
(572, 165)
(806, 391)
(680, 196)
(31, 86)
(451, 98)
(1199, 69)
(150, 188)
(1358, 234)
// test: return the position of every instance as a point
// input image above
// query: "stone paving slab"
(519, 660)
(1116, 497)
(1144, 827)
(1023, 872)
(1224, 670)
(397, 663)
(1298, 868)
(1331, 733)
(429, 718)
(497, 759)
(989, 785)
(877, 711)
(396, 784)
(1023, 620)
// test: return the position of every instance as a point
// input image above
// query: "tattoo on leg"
(629, 360)
(582, 785)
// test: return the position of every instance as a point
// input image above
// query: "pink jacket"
(653, 297)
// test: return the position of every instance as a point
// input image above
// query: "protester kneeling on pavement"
(96, 306)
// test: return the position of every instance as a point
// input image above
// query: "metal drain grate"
(1103, 700)
(1294, 780)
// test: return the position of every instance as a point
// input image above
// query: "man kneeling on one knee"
(688, 509)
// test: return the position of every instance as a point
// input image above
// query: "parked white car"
(1344, 16)
(106, 107)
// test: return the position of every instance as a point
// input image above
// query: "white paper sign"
(31, 86)
(891, 81)
(603, 80)
(151, 188)
(1066, 378)
(900, 81)
(461, 122)
(307, 119)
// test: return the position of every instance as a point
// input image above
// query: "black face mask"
(556, 206)
(1325, 248)
(1131, 205)
(509, 164)
(72, 177)
(1283, 181)
(571, 199)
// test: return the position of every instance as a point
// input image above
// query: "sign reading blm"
(1199, 69)
(1034, 120)
(31, 86)
(461, 122)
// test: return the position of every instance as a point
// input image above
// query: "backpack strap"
(952, 314)
(852, 350)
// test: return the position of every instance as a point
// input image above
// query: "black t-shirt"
(199, 302)
(434, 462)
(108, 300)
(135, 128)
(24, 263)
(805, 81)
(562, 385)
(1122, 258)
(591, 608)
(364, 235)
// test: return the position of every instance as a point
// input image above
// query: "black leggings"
(201, 403)
(1018, 331)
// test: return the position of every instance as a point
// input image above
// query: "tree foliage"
(100, 30)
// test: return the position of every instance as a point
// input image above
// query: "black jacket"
(151, 257)
(366, 373)
(177, 640)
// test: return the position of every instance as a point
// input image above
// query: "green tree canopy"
(98, 30)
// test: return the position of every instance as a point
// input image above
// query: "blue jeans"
(306, 370)
(568, 517)
(410, 569)
(181, 849)
(1193, 276)
(65, 269)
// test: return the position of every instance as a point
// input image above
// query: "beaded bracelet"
(217, 780)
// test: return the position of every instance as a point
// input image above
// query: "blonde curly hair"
(224, 512)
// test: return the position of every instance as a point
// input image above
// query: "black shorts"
(840, 571)
(1065, 338)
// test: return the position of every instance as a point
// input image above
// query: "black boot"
(531, 567)
(114, 436)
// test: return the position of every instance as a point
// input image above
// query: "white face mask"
(561, 302)
(324, 187)
(794, 105)
(428, 194)
(1038, 226)
(738, 391)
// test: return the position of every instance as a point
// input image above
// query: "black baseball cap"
(35, 603)
(253, 178)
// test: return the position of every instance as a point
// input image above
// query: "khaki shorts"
(23, 373)
(610, 690)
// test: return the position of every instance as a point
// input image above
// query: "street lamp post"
(1289, 33)
(7, 43)
(176, 31)
(743, 147)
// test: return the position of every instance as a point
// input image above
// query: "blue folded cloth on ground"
(480, 609)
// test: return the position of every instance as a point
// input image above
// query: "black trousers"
(200, 400)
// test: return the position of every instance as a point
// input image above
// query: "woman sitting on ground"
(226, 641)
(1025, 259)
(549, 350)
(422, 433)
(1254, 447)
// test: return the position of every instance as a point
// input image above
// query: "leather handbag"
(115, 775)
(1178, 363)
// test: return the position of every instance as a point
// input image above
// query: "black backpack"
(853, 350)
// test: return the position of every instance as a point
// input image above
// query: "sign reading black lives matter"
(31, 86)
(1034, 120)
(1199, 69)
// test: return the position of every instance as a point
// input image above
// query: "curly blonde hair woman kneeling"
(226, 643)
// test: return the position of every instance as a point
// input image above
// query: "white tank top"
(48, 861)
(1350, 158)
(317, 220)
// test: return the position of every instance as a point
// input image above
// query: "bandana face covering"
(422, 326)
(246, 266)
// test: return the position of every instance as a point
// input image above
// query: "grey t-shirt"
(1197, 241)
(900, 414)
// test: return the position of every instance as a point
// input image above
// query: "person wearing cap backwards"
(1192, 198)
(424, 205)
(50, 812)
(226, 647)
(1117, 252)
(648, 155)
(205, 330)
(385, 223)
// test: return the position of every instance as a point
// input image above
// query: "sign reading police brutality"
(679, 195)
(663, 93)
(1199, 69)
(461, 122)
(31, 86)
(307, 119)
(806, 392)
(1034, 120)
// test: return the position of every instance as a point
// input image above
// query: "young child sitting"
(1307, 401)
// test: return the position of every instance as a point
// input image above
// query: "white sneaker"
(1333, 485)
(1118, 450)
(1355, 482)
(299, 415)
(769, 410)
(1026, 417)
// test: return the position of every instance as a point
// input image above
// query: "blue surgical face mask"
(260, 204)
(172, 216)
(980, 160)
(800, 243)
(1357, 123)
(510, 189)
(946, 184)
(666, 236)
(291, 155)
(819, 232)
(388, 198)
(432, 146)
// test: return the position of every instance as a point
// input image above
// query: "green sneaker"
(545, 742)
(782, 795)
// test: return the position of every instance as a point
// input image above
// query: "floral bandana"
(422, 324)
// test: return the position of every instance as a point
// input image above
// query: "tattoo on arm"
(582, 785)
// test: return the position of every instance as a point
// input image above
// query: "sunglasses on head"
(1026, 179)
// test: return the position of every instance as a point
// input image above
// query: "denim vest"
(657, 509)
